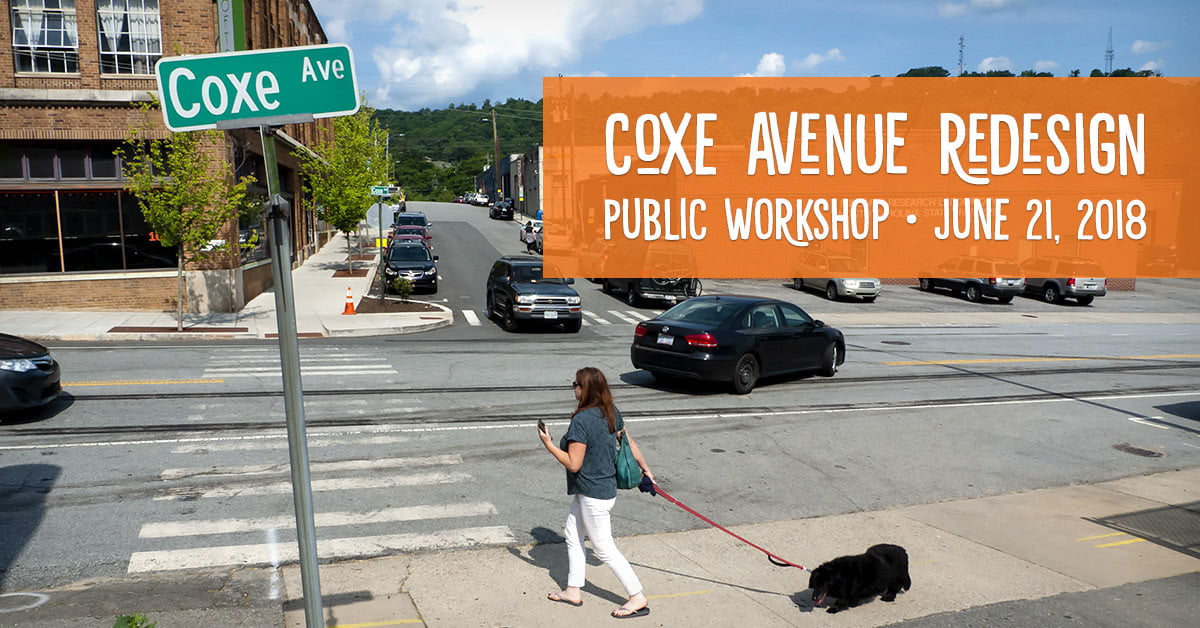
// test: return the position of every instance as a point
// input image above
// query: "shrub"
(403, 287)
(136, 620)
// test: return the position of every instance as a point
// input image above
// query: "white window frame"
(130, 36)
(48, 37)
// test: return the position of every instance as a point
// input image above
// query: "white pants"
(589, 517)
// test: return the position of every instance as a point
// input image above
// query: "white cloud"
(444, 49)
(1044, 66)
(771, 64)
(959, 9)
(1141, 47)
(1155, 65)
(991, 64)
(813, 60)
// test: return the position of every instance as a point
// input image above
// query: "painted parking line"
(1125, 542)
(1033, 359)
(472, 319)
(1099, 536)
(1109, 536)
(147, 382)
(1148, 421)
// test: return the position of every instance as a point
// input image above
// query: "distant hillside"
(440, 151)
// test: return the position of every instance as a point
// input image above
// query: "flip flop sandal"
(555, 597)
(641, 612)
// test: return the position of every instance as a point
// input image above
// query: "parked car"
(737, 340)
(517, 292)
(993, 277)
(671, 290)
(817, 263)
(502, 210)
(411, 237)
(413, 261)
(480, 199)
(1157, 260)
(412, 218)
(29, 376)
(399, 230)
(1056, 290)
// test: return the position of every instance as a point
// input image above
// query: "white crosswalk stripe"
(597, 318)
(357, 547)
(472, 319)
(324, 362)
(622, 316)
(637, 315)
(281, 443)
(315, 467)
(334, 484)
(322, 519)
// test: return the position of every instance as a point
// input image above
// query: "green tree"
(929, 70)
(186, 191)
(340, 170)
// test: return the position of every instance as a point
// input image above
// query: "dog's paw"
(833, 609)
(888, 598)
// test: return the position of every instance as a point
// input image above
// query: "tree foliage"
(185, 189)
(340, 170)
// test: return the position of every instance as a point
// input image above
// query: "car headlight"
(525, 298)
(389, 271)
(850, 283)
(20, 365)
(572, 300)
(432, 272)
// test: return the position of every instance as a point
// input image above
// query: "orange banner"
(870, 177)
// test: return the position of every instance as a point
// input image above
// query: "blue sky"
(428, 53)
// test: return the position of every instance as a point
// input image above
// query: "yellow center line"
(1126, 542)
(1033, 359)
(146, 382)
(1099, 536)
(665, 596)
(394, 622)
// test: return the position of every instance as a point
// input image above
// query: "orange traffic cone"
(349, 301)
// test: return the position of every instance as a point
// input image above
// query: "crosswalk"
(268, 539)
(475, 318)
(241, 362)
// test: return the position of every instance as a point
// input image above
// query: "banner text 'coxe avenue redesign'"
(748, 177)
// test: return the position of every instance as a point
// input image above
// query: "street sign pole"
(382, 251)
(293, 394)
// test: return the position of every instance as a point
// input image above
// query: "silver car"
(833, 288)
(1064, 286)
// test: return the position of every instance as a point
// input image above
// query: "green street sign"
(380, 190)
(250, 88)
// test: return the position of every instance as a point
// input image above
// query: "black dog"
(882, 571)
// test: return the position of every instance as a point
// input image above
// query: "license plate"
(1089, 286)
(666, 339)
(550, 314)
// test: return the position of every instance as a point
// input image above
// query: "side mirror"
(818, 323)
(435, 258)
(570, 280)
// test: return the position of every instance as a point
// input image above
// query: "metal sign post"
(293, 394)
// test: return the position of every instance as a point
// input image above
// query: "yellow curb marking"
(1099, 536)
(147, 382)
(665, 596)
(1127, 542)
(1031, 359)
(394, 622)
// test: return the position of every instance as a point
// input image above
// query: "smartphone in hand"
(541, 425)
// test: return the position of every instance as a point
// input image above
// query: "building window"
(130, 36)
(41, 160)
(44, 36)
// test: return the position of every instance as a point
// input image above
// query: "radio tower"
(961, 43)
(1108, 54)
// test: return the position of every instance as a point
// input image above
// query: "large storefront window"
(130, 36)
(100, 231)
(51, 161)
(44, 36)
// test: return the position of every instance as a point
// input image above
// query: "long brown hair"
(594, 393)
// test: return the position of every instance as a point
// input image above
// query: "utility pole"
(961, 45)
(496, 144)
(1108, 55)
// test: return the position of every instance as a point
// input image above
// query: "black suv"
(517, 292)
(411, 218)
(502, 209)
(414, 262)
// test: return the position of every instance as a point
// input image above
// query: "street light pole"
(496, 144)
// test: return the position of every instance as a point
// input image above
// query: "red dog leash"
(774, 558)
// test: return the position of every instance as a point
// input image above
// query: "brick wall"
(149, 293)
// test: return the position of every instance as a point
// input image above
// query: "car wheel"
(1050, 295)
(488, 312)
(573, 326)
(868, 299)
(1005, 300)
(973, 293)
(926, 285)
(1085, 300)
(604, 287)
(831, 292)
(745, 374)
(631, 297)
(510, 320)
(830, 365)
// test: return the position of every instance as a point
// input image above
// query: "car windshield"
(410, 230)
(410, 219)
(844, 265)
(408, 254)
(532, 274)
(703, 313)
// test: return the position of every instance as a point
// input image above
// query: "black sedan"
(28, 375)
(736, 339)
(502, 210)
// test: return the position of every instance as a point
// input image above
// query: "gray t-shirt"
(597, 478)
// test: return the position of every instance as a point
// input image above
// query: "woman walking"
(588, 451)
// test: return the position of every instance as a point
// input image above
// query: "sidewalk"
(320, 299)
(963, 554)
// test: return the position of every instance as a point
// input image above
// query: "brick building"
(70, 237)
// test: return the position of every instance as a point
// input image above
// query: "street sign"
(380, 190)
(251, 88)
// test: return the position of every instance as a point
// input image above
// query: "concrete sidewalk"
(964, 554)
(320, 299)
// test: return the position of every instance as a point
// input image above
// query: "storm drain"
(1137, 451)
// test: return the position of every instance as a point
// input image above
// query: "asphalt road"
(165, 456)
